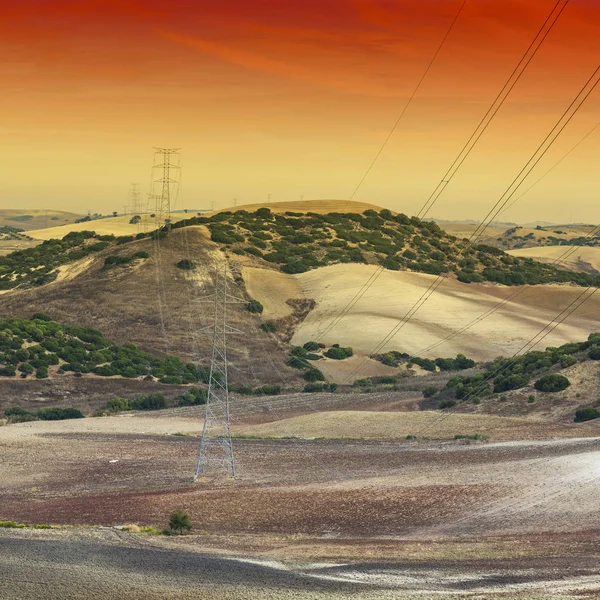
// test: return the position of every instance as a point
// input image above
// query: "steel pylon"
(216, 448)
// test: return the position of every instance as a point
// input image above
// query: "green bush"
(552, 383)
(59, 414)
(314, 375)
(297, 362)
(594, 353)
(268, 390)
(269, 327)
(311, 346)
(299, 351)
(118, 404)
(586, 413)
(149, 402)
(179, 521)
(446, 403)
(339, 353)
(192, 397)
(186, 264)
(430, 391)
(254, 306)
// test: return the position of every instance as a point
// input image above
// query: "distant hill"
(29, 219)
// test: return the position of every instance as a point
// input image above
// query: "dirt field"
(305, 519)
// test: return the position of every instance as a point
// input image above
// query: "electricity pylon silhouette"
(216, 448)
(162, 187)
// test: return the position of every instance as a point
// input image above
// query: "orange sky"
(292, 98)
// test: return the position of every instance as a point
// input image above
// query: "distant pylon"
(134, 199)
(215, 446)
(162, 187)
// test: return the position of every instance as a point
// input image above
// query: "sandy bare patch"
(272, 289)
(449, 308)
(340, 371)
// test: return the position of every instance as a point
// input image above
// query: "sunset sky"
(293, 98)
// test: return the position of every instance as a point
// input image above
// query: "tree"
(552, 383)
(254, 306)
(114, 213)
(586, 413)
(179, 520)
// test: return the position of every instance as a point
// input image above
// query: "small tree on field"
(254, 306)
(179, 520)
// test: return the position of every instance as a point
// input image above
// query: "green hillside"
(298, 242)
(39, 346)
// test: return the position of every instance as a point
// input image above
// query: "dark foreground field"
(324, 518)
(112, 565)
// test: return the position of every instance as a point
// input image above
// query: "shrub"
(311, 346)
(269, 327)
(179, 521)
(186, 264)
(268, 390)
(254, 306)
(314, 375)
(59, 414)
(430, 391)
(296, 362)
(446, 403)
(149, 402)
(118, 404)
(531, 399)
(339, 353)
(192, 397)
(299, 351)
(552, 383)
(594, 353)
(586, 413)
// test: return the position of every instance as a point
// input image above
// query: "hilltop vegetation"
(298, 242)
(31, 347)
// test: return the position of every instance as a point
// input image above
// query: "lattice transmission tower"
(216, 448)
(164, 186)
(135, 205)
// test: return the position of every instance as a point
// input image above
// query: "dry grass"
(399, 425)
(452, 306)
(272, 289)
(41, 218)
(578, 259)
(316, 206)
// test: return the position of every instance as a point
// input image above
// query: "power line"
(562, 122)
(414, 93)
(499, 100)
(562, 316)
(501, 97)
(556, 164)
(520, 290)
